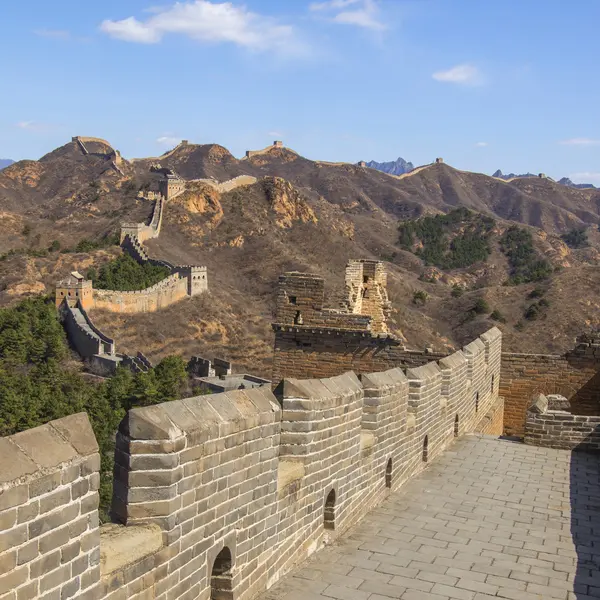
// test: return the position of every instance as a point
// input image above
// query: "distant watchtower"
(439, 161)
(277, 144)
(75, 288)
(362, 164)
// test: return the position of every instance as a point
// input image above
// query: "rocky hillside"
(310, 216)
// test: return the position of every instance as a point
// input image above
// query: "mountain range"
(394, 167)
(300, 215)
(5, 162)
(564, 181)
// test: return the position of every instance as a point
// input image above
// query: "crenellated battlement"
(221, 495)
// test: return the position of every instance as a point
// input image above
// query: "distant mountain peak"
(500, 175)
(394, 167)
(5, 162)
(582, 186)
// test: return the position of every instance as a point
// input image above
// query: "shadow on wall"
(585, 518)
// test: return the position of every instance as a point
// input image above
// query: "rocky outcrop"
(287, 202)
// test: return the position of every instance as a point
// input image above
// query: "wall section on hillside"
(166, 292)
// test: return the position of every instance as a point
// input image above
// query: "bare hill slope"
(302, 215)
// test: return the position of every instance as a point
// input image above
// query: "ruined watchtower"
(314, 341)
(75, 288)
(366, 289)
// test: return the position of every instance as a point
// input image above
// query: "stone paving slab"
(491, 518)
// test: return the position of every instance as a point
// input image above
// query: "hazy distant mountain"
(5, 162)
(500, 175)
(564, 181)
(581, 186)
(394, 167)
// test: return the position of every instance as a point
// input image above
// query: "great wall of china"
(75, 295)
(218, 497)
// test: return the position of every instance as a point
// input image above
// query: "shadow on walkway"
(585, 521)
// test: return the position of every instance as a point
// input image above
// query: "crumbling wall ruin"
(314, 341)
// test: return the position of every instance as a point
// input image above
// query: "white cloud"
(580, 142)
(168, 140)
(208, 22)
(585, 177)
(276, 135)
(461, 74)
(481, 144)
(362, 13)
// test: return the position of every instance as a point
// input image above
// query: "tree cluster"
(451, 241)
(576, 238)
(126, 275)
(38, 383)
(525, 262)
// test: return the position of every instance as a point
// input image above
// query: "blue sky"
(482, 83)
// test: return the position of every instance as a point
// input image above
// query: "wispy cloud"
(54, 34)
(208, 22)
(460, 74)
(585, 177)
(481, 144)
(168, 140)
(332, 4)
(361, 13)
(580, 142)
(276, 134)
(33, 126)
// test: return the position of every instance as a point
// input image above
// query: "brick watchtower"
(75, 288)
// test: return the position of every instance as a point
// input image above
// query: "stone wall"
(83, 336)
(561, 429)
(221, 495)
(166, 292)
(230, 184)
(49, 535)
(574, 375)
(141, 231)
(324, 352)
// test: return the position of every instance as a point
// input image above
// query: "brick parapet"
(574, 375)
(49, 512)
(217, 463)
(561, 429)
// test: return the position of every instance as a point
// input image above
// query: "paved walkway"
(490, 519)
